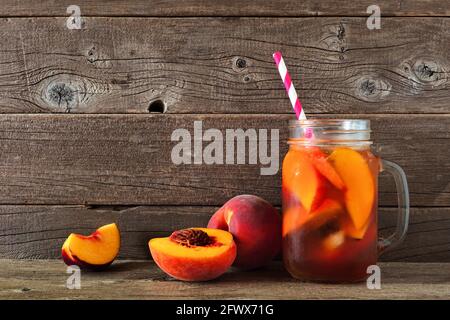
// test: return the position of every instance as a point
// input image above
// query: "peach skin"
(256, 227)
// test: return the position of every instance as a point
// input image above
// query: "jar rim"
(338, 124)
(325, 131)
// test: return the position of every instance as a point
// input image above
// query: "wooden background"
(87, 115)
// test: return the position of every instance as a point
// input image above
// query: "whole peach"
(256, 227)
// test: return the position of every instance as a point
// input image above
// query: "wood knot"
(97, 58)
(341, 32)
(92, 55)
(427, 71)
(191, 237)
(372, 89)
(61, 95)
(368, 87)
(334, 38)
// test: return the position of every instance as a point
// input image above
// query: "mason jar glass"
(329, 199)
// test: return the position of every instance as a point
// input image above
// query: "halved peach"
(301, 178)
(360, 186)
(96, 251)
(194, 254)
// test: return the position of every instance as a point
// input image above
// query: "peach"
(194, 254)
(302, 179)
(360, 186)
(320, 162)
(296, 217)
(96, 251)
(256, 227)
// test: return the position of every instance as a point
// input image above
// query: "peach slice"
(329, 211)
(355, 233)
(319, 159)
(194, 254)
(96, 251)
(296, 217)
(303, 180)
(293, 218)
(360, 193)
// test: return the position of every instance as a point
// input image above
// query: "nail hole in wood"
(157, 106)
(341, 32)
(241, 63)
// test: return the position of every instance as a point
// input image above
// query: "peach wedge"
(95, 251)
(360, 185)
(301, 178)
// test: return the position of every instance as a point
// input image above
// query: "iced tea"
(329, 212)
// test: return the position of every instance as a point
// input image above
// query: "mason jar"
(329, 199)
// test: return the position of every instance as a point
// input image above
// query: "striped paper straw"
(295, 102)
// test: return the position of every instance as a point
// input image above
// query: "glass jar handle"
(401, 184)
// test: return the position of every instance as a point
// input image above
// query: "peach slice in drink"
(327, 213)
(303, 180)
(360, 186)
(293, 218)
(355, 233)
(319, 159)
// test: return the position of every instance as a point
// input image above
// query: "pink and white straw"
(295, 102)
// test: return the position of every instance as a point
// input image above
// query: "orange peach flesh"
(360, 187)
(296, 217)
(298, 168)
(195, 263)
(99, 248)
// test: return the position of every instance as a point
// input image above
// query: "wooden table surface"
(46, 279)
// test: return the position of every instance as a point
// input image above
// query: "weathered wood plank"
(24, 279)
(38, 232)
(282, 8)
(224, 65)
(126, 159)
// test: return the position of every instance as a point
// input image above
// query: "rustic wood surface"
(126, 160)
(175, 8)
(33, 232)
(223, 65)
(25, 279)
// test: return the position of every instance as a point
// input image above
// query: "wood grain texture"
(224, 65)
(24, 279)
(171, 8)
(38, 232)
(126, 159)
